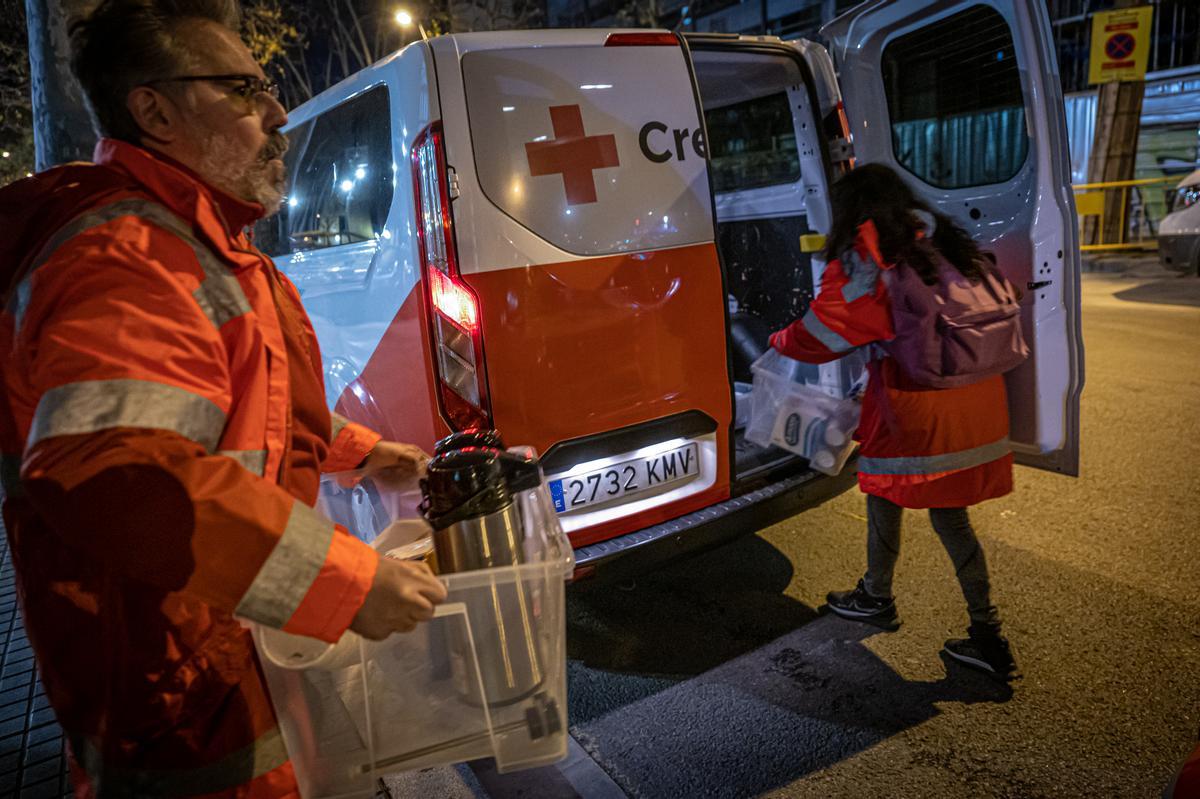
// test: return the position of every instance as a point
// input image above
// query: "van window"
(592, 149)
(753, 143)
(340, 179)
(955, 102)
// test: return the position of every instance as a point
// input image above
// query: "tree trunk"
(62, 130)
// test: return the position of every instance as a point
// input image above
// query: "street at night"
(719, 677)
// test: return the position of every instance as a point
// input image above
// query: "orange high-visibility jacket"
(162, 432)
(929, 448)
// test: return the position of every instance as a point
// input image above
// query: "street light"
(404, 19)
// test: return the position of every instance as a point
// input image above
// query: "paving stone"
(46, 789)
(18, 650)
(16, 681)
(14, 695)
(39, 717)
(46, 732)
(29, 733)
(13, 668)
(12, 726)
(38, 753)
(15, 709)
(46, 770)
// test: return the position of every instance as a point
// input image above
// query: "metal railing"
(1122, 214)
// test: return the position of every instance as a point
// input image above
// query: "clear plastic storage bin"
(792, 408)
(485, 678)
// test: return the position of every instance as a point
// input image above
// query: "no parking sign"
(1120, 44)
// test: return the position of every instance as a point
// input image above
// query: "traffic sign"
(1120, 44)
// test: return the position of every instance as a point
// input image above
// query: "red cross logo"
(572, 154)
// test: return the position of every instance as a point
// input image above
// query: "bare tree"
(309, 45)
(279, 44)
(16, 118)
(485, 15)
(640, 14)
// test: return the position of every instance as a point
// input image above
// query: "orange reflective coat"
(920, 447)
(162, 431)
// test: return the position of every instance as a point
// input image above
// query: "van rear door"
(963, 99)
(583, 222)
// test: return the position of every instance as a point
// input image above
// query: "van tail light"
(455, 329)
(641, 40)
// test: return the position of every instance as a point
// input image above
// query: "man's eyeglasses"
(250, 86)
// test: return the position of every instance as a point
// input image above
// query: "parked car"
(566, 231)
(1179, 231)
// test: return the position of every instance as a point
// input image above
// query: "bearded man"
(163, 424)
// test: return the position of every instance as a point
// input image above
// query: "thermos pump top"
(472, 482)
(467, 497)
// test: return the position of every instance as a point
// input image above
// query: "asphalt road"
(719, 677)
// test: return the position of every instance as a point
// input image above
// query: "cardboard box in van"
(582, 239)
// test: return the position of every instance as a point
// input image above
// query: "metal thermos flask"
(467, 497)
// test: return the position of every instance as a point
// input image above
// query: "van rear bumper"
(638, 552)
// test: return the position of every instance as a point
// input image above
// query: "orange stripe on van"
(394, 395)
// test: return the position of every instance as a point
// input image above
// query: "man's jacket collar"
(179, 188)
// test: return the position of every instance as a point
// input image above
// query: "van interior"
(762, 136)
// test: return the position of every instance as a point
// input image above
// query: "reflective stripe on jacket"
(163, 430)
(920, 447)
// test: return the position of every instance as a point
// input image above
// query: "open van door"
(963, 98)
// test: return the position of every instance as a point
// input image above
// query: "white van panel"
(353, 292)
(506, 216)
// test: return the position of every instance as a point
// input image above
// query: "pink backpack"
(954, 332)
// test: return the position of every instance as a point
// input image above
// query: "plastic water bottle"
(835, 436)
(822, 459)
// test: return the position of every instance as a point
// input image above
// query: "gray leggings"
(953, 526)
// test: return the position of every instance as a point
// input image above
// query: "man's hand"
(404, 593)
(395, 465)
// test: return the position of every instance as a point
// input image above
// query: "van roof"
(462, 43)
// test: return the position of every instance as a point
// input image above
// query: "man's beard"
(258, 181)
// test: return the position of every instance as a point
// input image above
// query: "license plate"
(627, 477)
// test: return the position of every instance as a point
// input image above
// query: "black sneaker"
(861, 606)
(985, 650)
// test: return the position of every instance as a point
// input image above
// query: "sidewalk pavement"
(32, 755)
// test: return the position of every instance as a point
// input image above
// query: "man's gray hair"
(124, 44)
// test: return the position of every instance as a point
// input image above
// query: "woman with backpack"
(927, 440)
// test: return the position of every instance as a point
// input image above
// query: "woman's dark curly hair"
(876, 192)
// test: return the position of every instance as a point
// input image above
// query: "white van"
(582, 238)
(1179, 231)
